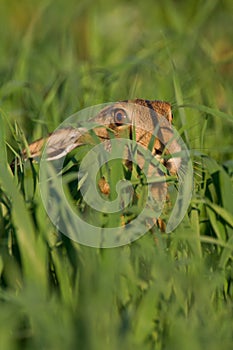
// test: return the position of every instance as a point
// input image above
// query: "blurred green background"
(57, 57)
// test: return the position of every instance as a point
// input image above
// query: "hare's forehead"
(132, 110)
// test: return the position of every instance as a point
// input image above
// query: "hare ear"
(162, 108)
(169, 116)
(35, 149)
(57, 144)
(62, 141)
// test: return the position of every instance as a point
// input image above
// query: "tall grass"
(162, 291)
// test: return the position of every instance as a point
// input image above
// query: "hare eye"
(120, 116)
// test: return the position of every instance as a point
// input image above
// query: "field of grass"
(163, 291)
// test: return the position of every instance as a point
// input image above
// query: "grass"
(163, 291)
